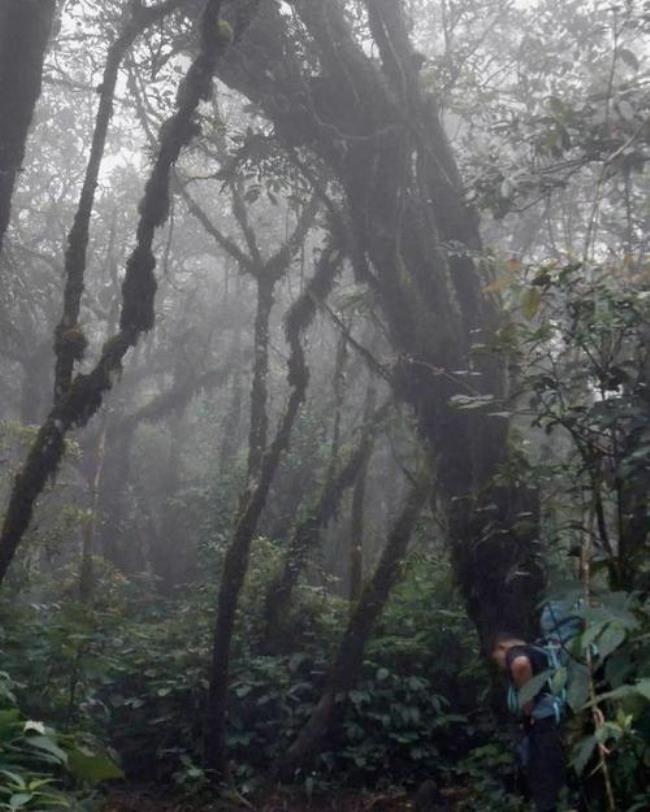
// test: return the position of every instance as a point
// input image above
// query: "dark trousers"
(545, 767)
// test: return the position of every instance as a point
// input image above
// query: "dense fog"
(323, 365)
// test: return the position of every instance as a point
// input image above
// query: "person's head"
(502, 642)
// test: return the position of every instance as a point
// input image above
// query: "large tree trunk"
(404, 223)
(24, 31)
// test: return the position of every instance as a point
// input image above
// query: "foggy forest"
(325, 405)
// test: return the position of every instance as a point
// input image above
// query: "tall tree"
(24, 32)
(414, 240)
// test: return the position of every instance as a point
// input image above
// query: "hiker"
(541, 748)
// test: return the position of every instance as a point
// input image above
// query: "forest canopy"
(324, 363)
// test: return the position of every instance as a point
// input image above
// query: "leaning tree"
(358, 122)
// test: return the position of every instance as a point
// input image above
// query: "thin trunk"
(596, 713)
(349, 660)
(259, 420)
(357, 513)
(24, 32)
(252, 503)
(166, 554)
(87, 575)
(113, 494)
(339, 394)
(307, 532)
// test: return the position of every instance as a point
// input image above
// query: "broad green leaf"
(590, 634)
(582, 752)
(9, 721)
(15, 778)
(20, 799)
(46, 744)
(578, 690)
(643, 687)
(92, 768)
(533, 687)
(618, 668)
(559, 680)
(608, 731)
(531, 302)
(610, 639)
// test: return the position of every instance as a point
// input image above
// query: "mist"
(323, 369)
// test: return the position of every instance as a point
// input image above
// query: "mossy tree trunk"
(24, 32)
(69, 341)
(405, 225)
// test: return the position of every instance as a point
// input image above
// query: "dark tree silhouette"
(24, 32)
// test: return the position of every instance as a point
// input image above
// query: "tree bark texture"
(357, 514)
(85, 394)
(69, 341)
(24, 32)
(411, 237)
(349, 659)
(89, 530)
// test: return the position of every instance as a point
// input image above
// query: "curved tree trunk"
(24, 32)
(259, 420)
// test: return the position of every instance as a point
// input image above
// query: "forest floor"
(148, 800)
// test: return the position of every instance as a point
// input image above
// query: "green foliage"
(34, 759)
(489, 773)
(577, 344)
(133, 670)
(225, 32)
(616, 640)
